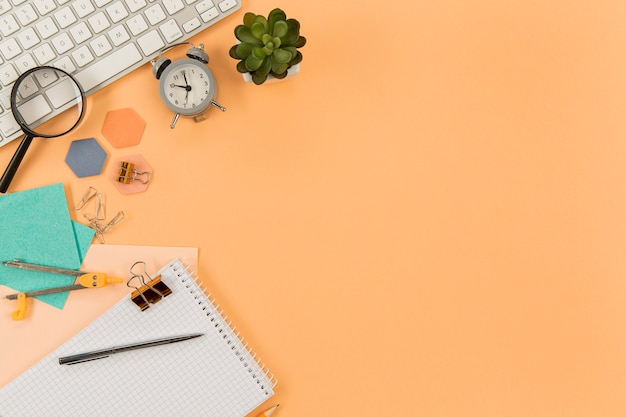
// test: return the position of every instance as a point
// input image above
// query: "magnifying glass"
(46, 103)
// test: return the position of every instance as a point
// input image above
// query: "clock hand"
(186, 87)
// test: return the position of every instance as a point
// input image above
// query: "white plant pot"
(294, 70)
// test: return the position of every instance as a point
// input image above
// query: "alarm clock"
(186, 86)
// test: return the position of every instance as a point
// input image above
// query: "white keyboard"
(98, 41)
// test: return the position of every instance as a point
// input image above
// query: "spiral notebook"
(212, 375)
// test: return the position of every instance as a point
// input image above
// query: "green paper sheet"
(35, 227)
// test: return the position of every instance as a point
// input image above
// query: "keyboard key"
(28, 38)
(46, 77)
(118, 35)
(117, 12)
(44, 53)
(5, 6)
(109, 66)
(66, 64)
(65, 17)
(203, 6)
(62, 43)
(135, 5)
(170, 31)
(99, 22)
(28, 87)
(8, 25)
(227, 5)
(5, 98)
(155, 14)
(45, 6)
(173, 6)
(8, 126)
(150, 42)
(34, 109)
(82, 56)
(191, 25)
(100, 45)
(26, 14)
(82, 8)
(137, 25)
(8, 75)
(25, 62)
(80, 32)
(9, 48)
(210, 14)
(62, 93)
(47, 27)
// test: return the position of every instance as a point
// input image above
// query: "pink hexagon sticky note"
(131, 174)
(123, 127)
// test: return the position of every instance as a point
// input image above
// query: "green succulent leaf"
(259, 53)
(296, 59)
(243, 50)
(293, 32)
(281, 75)
(244, 34)
(258, 30)
(280, 28)
(261, 19)
(278, 67)
(241, 67)
(300, 42)
(258, 79)
(233, 52)
(265, 68)
(282, 56)
(291, 49)
(266, 38)
(248, 19)
(273, 17)
(253, 63)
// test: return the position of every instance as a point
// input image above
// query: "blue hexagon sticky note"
(86, 157)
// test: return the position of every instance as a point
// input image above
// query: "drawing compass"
(85, 280)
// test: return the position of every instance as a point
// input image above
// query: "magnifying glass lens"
(42, 93)
(46, 102)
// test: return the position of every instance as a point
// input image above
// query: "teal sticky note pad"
(84, 235)
(35, 227)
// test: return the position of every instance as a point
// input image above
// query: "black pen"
(99, 354)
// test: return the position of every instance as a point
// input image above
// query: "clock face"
(187, 87)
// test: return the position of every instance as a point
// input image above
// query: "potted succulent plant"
(267, 47)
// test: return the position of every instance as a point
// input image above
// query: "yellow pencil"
(269, 411)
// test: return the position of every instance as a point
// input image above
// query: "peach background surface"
(429, 220)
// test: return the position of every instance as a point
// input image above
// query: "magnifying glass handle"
(15, 162)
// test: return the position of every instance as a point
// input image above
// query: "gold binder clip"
(150, 292)
(127, 174)
(143, 295)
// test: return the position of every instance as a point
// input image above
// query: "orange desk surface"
(429, 220)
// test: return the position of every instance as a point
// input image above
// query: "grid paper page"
(212, 375)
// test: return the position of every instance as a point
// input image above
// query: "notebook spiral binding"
(229, 334)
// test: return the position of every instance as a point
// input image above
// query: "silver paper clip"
(89, 194)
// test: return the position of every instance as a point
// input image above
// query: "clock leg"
(174, 120)
(216, 104)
